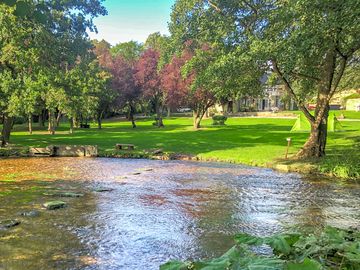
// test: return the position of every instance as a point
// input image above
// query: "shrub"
(219, 120)
(331, 249)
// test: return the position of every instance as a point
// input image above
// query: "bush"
(219, 120)
(331, 249)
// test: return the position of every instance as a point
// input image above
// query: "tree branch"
(305, 76)
(214, 6)
(289, 89)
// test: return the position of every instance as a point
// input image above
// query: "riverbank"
(251, 141)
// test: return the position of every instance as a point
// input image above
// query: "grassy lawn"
(338, 113)
(255, 141)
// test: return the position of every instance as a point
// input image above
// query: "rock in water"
(32, 213)
(69, 194)
(65, 194)
(101, 189)
(54, 205)
(9, 223)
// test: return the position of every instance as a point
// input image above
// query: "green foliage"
(331, 249)
(130, 51)
(219, 120)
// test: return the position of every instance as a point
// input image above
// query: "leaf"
(247, 239)
(279, 244)
(8, 2)
(307, 264)
(40, 17)
(22, 9)
(174, 265)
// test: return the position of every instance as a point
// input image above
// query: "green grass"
(346, 114)
(255, 141)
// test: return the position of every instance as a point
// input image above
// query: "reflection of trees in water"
(50, 240)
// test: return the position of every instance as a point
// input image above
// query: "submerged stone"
(69, 194)
(54, 205)
(102, 189)
(65, 194)
(32, 213)
(9, 223)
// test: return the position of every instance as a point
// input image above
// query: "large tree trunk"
(30, 120)
(5, 133)
(316, 143)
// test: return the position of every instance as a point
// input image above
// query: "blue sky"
(132, 20)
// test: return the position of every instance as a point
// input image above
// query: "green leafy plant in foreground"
(331, 249)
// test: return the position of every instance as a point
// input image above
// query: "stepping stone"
(9, 223)
(69, 194)
(54, 205)
(65, 194)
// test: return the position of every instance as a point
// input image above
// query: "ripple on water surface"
(138, 214)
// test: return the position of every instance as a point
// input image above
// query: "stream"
(138, 214)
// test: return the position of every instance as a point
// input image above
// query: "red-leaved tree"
(123, 82)
(179, 89)
(148, 79)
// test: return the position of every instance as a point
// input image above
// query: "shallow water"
(171, 210)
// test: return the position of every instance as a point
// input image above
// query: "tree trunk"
(99, 119)
(30, 123)
(159, 119)
(131, 115)
(71, 120)
(5, 133)
(75, 122)
(168, 112)
(198, 116)
(99, 122)
(58, 118)
(132, 119)
(42, 118)
(51, 127)
(316, 143)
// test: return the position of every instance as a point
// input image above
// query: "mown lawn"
(255, 141)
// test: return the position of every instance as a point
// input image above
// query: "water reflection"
(156, 211)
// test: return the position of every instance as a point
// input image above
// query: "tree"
(180, 88)
(148, 79)
(40, 40)
(123, 82)
(307, 44)
(130, 51)
(220, 72)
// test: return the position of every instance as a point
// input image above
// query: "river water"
(154, 211)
